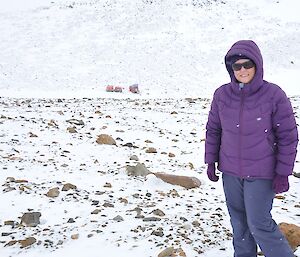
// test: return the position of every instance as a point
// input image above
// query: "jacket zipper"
(240, 129)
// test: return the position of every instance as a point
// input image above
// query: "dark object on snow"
(111, 88)
(134, 88)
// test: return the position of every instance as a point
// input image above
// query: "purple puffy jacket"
(251, 132)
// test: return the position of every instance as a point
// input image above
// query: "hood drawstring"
(241, 85)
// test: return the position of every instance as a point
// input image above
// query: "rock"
(118, 218)
(68, 186)
(108, 205)
(108, 185)
(96, 211)
(76, 122)
(196, 223)
(181, 252)
(296, 174)
(31, 219)
(171, 155)
(53, 192)
(71, 130)
(24, 243)
(184, 181)
(32, 135)
(151, 150)
(75, 236)
(27, 242)
(291, 233)
(138, 170)
(134, 158)
(151, 219)
(159, 232)
(158, 212)
(106, 140)
(167, 252)
(123, 200)
(9, 223)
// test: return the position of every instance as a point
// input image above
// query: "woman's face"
(244, 75)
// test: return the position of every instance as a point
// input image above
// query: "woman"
(251, 134)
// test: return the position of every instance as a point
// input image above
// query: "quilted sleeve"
(286, 134)
(213, 133)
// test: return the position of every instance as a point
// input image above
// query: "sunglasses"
(247, 65)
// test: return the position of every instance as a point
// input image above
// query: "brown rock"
(27, 242)
(72, 130)
(106, 140)
(171, 155)
(151, 150)
(184, 181)
(53, 192)
(75, 236)
(291, 233)
(167, 252)
(68, 186)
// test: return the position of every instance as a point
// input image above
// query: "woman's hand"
(211, 172)
(280, 184)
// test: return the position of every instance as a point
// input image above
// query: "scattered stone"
(24, 243)
(108, 185)
(118, 218)
(32, 135)
(9, 223)
(27, 242)
(68, 186)
(53, 192)
(72, 130)
(159, 232)
(158, 212)
(96, 211)
(134, 158)
(110, 205)
(71, 220)
(75, 236)
(138, 170)
(196, 223)
(76, 122)
(279, 197)
(31, 219)
(130, 145)
(151, 150)
(171, 155)
(123, 200)
(151, 219)
(105, 139)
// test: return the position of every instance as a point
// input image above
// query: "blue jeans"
(249, 203)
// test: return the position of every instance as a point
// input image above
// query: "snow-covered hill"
(171, 48)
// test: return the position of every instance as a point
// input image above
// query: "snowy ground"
(36, 146)
(55, 53)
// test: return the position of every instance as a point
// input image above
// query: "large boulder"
(184, 181)
(104, 139)
(291, 233)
